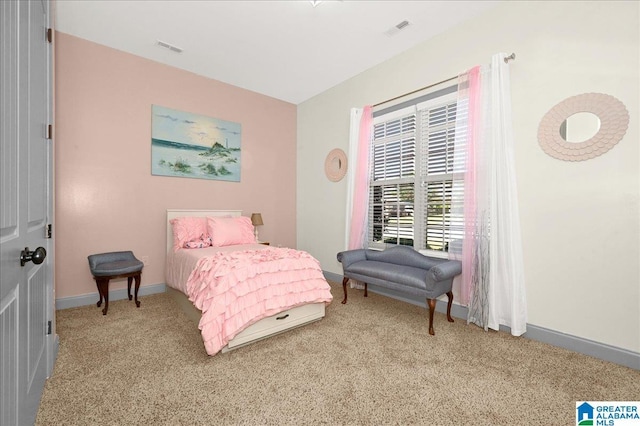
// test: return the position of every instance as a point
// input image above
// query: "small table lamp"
(256, 220)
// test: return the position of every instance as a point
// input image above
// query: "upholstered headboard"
(173, 213)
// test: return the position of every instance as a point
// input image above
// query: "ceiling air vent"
(397, 28)
(170, 46)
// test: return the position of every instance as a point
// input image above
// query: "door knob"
(37, 256)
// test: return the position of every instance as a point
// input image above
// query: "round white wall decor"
(335, 165)
(614, 121)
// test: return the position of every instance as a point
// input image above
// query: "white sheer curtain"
(354, 131)
(492, 284)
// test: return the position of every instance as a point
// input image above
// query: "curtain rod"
(506, 60)
(415, 91)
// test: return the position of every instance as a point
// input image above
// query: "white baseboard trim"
(92, 298)
(588, 347)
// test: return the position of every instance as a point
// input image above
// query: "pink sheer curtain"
(469, 99)
(360, 183)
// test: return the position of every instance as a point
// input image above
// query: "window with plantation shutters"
(412, 177)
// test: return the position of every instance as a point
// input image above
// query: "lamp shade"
(256, 219)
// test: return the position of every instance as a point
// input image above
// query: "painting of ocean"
(194, 146)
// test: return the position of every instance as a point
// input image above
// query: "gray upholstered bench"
(108, 266)
(402, 269)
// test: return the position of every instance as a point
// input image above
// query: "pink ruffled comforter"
(236, 289)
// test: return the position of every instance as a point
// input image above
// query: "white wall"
(580, 221)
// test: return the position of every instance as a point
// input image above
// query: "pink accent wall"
(107, 199)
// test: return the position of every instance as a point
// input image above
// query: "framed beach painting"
(194, 146)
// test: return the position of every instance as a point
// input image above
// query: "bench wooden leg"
(137, 278)
(103, 289)
(344, 288)
(450, 296)
(129, 281)
(102, 283)
(432, 308)
(99, 294)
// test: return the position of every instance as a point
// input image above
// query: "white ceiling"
(288, 50)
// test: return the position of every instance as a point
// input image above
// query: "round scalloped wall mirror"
(567, 133)
(335, 165)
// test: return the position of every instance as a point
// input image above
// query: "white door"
(26, 290)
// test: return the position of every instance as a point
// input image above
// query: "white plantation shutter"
(393, 179)
(412, 185)
(439, 223)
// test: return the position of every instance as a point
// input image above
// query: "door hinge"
(48, 327)
(49, 131)
(49, 35)
(48, 230)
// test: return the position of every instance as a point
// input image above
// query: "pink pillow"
(186, 229)
(227, 231)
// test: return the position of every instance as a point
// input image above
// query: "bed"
(239, 293)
